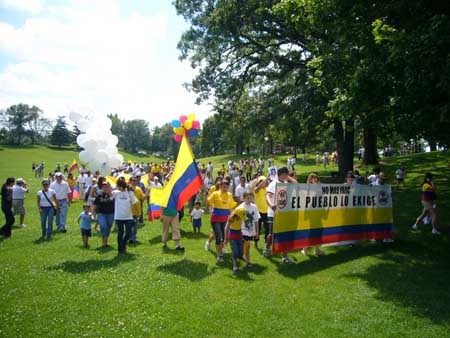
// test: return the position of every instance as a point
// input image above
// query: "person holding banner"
(283, 176)
(313, 178)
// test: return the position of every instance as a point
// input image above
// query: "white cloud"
(87, 55)
(28, 6)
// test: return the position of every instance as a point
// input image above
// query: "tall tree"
(19, 116)
(60, 135)
(136, 135)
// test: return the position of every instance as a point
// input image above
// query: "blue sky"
(97, 57)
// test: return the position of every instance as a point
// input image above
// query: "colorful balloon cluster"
(185, 126)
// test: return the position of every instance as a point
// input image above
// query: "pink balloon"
(183, 118)
(177, 138)
(196, 125)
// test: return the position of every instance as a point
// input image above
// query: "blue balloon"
(193, 132)
(176, 124)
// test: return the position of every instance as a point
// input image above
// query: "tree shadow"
(343, 255)
(193, 271)
(416, 277)
(92, 265)
(155, 240)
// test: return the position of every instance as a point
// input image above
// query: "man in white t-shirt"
(209, 169)
(89, 178)
(283, 176)
(62, 191)
(241, 189)
(18, 197)
(374, 177)
(82, 185)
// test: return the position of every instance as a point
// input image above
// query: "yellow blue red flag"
(184, 183)
(73, 166)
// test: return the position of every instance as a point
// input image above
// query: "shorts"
(170, 212)
(427, 205)
(105, 221)
(18, 207)
(237, 248)
(247, 238)
(268, 227)
(219, 231)
(86, 232)
(197, 222)
(400, 179)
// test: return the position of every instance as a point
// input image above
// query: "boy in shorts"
(85, 222)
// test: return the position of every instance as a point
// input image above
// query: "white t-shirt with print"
(123, 200)
(271, 189)
(249, 225)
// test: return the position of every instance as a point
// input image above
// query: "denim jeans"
(105, 221)
(123, 233)
(9, 221)
(237, 248)
(134, 228)
(47, 221)
(61, 214)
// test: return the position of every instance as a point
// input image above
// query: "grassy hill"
(59, 289)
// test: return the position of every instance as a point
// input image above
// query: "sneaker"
(22, 226)
(266, 252)
(435, 232)
(179, 248)
(287, 260)
(415, 226)
(224, 251)
(388, 240)
(207, 246)
(220, 259)
(235, 270)
(249, 265)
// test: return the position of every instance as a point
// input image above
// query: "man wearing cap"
(18, 196)
(283, 177)
(62, 191)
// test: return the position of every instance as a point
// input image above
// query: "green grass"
(59, 289)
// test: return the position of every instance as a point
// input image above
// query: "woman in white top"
(46, 201)
(123, 202)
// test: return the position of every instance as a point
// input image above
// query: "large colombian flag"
(184, 183)
(73, 166)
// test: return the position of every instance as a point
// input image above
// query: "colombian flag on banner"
(185, 182)
(314, 214)
(73, 166)
(75, 193)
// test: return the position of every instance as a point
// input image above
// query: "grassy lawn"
(59, 289)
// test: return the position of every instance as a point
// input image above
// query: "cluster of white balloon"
(100, 145)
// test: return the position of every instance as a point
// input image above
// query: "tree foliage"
(60, 135)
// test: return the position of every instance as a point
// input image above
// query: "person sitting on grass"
(233, 231)
(196, 217)
(85, 222)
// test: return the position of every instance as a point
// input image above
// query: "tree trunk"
(433, 145)
(370, 146)
(344, 135)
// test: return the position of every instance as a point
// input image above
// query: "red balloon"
(177, 138)
(196, 125)
(183, 118)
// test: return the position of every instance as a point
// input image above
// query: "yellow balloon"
(187, 124)
(175, 130)
(179, 131)
(191, 117)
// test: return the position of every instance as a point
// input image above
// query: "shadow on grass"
(92, 265)
(191, 235)
(193, 271)
(414, 276)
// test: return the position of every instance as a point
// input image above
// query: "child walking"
(233, 229)
(249, 226)
(85, 222)
(196, 217)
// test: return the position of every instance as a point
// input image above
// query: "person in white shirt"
(89, 178)
(124, 200)
(400, 176)
(209, 169)
(249, 226)
(374, 177)
(196, 217)
(241, 189)
(81, 180)
(62, 191)
(18, 197)
(283, 176)
(46, 204)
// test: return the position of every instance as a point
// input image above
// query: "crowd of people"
(239, 198)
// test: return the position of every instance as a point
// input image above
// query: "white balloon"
(83, 125)
(120, 158)
(75, 117)
(81, 139)
(102, 143)
(113, 140)
(90, 145)
(84, 156)
(94, 165)
(102, 156)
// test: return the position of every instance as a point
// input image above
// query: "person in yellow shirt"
(222, 204)
(136, 208)
(259, 187)
(72, 183)
(216, 186)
